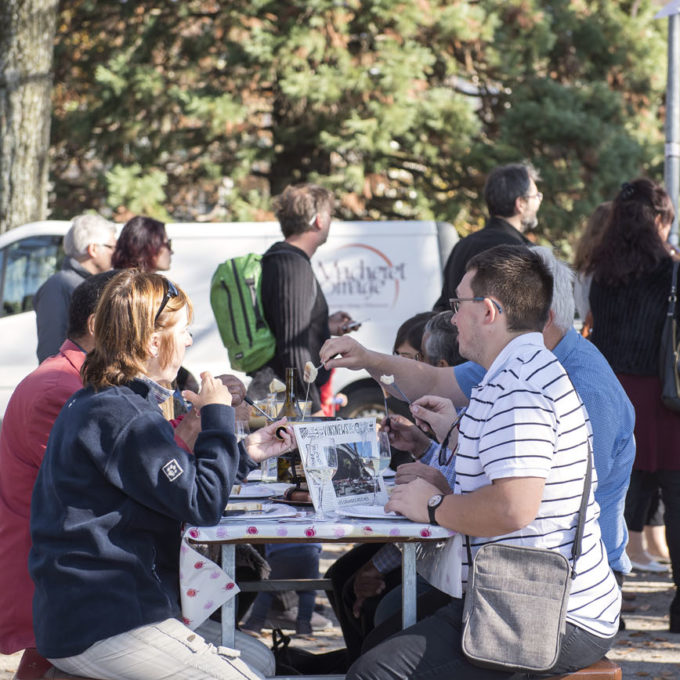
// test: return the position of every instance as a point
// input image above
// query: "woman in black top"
(631, 268)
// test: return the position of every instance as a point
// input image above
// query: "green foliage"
(204, 110)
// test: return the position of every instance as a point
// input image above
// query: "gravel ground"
(644, 650)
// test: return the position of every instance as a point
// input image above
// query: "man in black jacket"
(512, 200)
(294, 304)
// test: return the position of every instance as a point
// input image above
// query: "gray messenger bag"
(515, 608)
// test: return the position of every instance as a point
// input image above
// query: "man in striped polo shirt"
(522, 456)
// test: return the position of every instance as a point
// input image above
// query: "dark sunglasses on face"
(170, 292)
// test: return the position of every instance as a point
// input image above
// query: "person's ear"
(551, 320)
(90, 325)
(154, 345)
(91, 250)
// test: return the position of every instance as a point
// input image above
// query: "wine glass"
(381, 463)
(321, 468)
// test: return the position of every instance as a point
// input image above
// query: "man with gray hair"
(88, 247)
(440, 341)
(512, 200)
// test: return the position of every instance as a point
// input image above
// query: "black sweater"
(496, 232)
(628, 319)
(297, 313)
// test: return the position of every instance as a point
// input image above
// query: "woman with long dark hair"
(114, 489)
(632, 268)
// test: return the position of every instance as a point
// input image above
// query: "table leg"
(408, 584)
(228, 610)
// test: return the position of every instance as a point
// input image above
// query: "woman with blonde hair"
(114, 490)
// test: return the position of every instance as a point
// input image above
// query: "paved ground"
(644, 650)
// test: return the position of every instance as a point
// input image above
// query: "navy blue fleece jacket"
(107, 507)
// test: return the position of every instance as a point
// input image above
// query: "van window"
(24, 267)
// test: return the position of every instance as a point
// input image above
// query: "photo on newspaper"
(354, 473)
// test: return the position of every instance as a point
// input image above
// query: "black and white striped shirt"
(526, 420)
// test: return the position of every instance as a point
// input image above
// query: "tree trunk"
(27, 30)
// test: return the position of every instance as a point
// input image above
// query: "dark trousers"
(431, 650)
(342, 598)
(643, 486)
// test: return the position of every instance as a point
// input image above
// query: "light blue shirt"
(612, 419)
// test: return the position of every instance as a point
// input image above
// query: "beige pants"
(167, 650)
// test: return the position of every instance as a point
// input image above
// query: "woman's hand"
(212, 391)
(437, 412)
(406, 436)
(265, 444)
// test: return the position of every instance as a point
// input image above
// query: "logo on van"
(359, 275)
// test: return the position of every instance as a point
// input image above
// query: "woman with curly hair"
(632, 268)
(144, 245)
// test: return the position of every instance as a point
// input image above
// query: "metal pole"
(672, 149)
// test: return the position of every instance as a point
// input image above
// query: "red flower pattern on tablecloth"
(425, 533)
(252, 530)
(198, 565)
(194, 533)
(192, 592)
(309, 532)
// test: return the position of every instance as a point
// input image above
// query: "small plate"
(269, 512)
(368, 512)
(287, 501)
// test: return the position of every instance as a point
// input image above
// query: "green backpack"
(236, 301)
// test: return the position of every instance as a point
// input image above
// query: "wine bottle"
(291, 410)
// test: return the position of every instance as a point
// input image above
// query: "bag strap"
(578, 536)
(672, 296)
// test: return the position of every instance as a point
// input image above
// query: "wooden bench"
(604, 669)
(34, 667)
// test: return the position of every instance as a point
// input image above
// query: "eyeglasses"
(107, 245)
(170, 292)
(443, 460)
(417, 356)
(168, 244)
(455, 303)
(538, 195)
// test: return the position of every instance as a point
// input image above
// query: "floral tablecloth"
(204, 586)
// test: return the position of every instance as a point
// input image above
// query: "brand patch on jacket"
(172, 470)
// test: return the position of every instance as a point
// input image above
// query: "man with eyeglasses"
(88, 247)
(512, 200)
(522, 454)
(610, 411)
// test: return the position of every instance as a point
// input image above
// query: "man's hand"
(411, 499)
(265, 444)
(437, 412)
(337, 323)
(407, 472)
(235, 386)
(212, 391)
(406, 436)
(352, 354)
(368, 582)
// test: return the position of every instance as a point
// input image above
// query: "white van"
(381, 273)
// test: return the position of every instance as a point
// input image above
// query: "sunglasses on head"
(170, 292)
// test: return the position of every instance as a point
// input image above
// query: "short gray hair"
(563, 305)
(441, 340)
(87, 229)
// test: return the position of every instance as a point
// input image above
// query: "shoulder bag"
(515, 608)
(668, 351)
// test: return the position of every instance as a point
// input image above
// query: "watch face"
(435, 500)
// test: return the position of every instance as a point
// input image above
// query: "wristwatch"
(432, 505)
